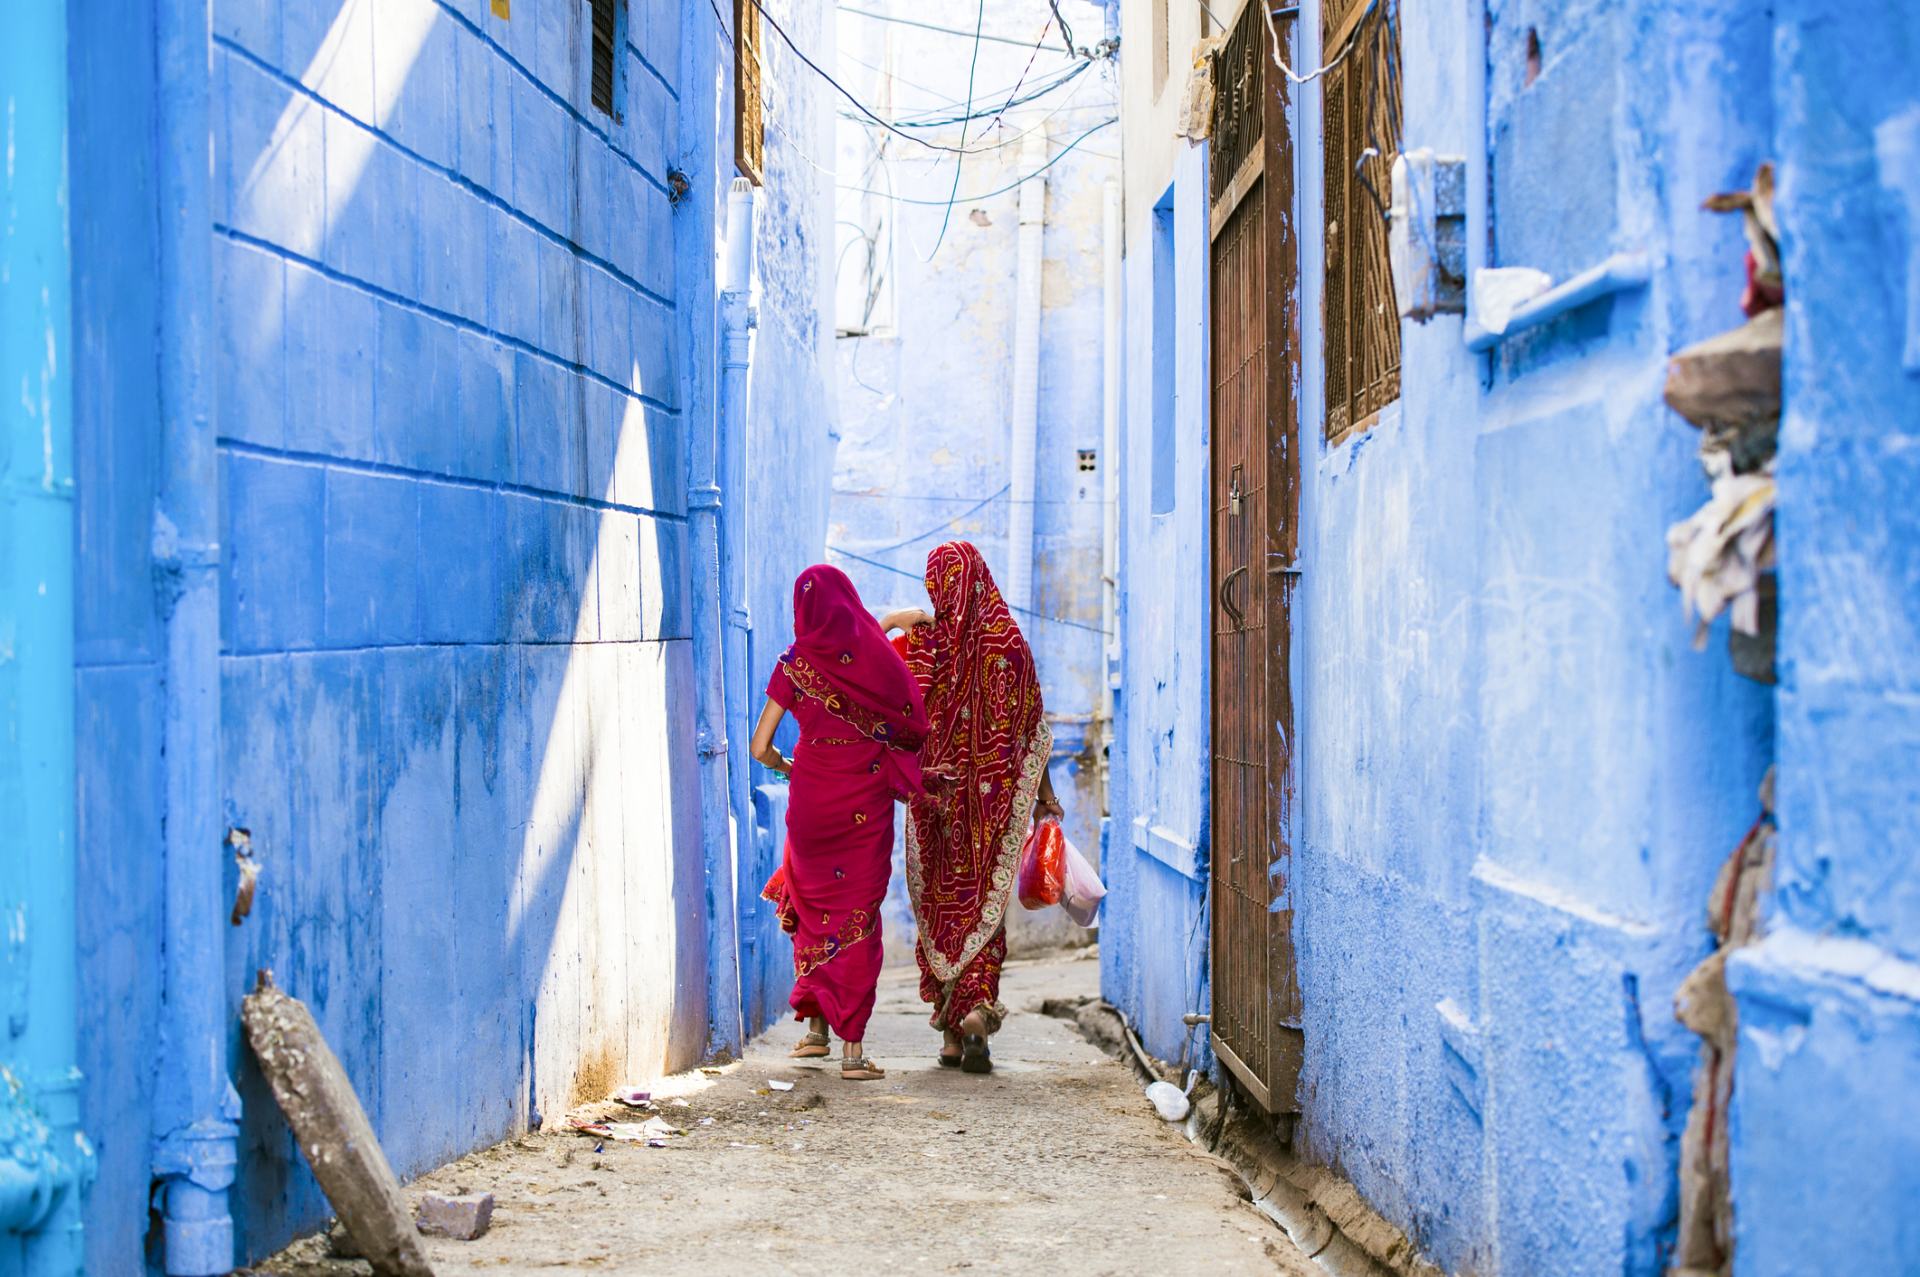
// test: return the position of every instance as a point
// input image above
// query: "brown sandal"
(858, 1068)
(811, 1046)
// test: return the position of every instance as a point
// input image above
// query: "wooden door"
(1255, 504)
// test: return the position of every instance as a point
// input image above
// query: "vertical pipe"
(1026, 369)
(695, 240)
(736, 351)
(44, 1160)
(196, 1136)
(1110, 470)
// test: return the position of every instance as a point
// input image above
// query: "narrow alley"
(1030, 636)
(1049, 1164)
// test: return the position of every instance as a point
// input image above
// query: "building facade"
(1500, 780)
(409, 429)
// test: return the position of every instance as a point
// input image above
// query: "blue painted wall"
(460, 335)
(1824, 1123)
(925, 380)
(1516, 779)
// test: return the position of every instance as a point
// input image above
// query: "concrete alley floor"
(1054, 1164)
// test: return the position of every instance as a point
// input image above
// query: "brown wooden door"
(1255, 504)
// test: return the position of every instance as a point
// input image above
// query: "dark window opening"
(606, 53)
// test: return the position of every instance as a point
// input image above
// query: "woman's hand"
(904, 619)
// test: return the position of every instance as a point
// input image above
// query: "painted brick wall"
(446, 329)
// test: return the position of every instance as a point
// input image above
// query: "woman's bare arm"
(1047, 804)
(904, 619)
(762, 748)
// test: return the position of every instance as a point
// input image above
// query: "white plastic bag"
(1083, 890)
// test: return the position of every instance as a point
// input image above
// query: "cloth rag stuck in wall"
(1718, 554)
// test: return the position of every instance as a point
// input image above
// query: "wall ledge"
(1790, 963)
(1169, 848)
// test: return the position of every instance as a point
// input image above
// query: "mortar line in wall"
(653, 70)
(267, 452)
(454, 176)
(434, 312)
(426, 645)
(147, 662)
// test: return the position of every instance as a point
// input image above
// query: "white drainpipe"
(737, 321)
(1026, 372)
(1110, 462)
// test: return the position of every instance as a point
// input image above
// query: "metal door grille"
(1254, 504)
(1360, 127)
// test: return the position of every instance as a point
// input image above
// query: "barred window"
(749, 123)
(1361, 134)
(606, 52)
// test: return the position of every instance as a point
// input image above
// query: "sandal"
(811, 1046)
(974, 1056)
(949, 1039)
(858, 1068)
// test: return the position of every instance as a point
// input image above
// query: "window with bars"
(749, 119)
(605, 70)
(1361, 135)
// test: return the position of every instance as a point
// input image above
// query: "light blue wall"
(459, 335)
(1825, 1129)
(1516, 778)
(1154, 941)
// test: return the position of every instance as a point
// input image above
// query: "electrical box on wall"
(1427, 240)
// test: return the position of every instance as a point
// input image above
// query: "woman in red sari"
(861, 723)
(985, 763)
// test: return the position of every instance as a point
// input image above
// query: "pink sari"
(861, 721)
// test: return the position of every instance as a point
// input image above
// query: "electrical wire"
(843, 91)
(928, 26)
(1001, 190)
(1066, 32)
(943, 525)
(959, 160)
(1273, 34)
(1027, 69)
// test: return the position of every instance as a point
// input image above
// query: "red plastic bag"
(1043, 865)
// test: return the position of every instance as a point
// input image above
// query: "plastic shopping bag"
(1043, 865)
(1082, 892)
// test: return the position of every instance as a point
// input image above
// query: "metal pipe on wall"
(736, 353)
(196, 1111)
(1110, 466)
(45, 1163)
(1026, 370)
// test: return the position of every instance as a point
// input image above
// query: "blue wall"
(1825, 1129)
(460, 335)
(1516, 780)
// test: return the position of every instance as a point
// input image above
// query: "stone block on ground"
(463, 1216)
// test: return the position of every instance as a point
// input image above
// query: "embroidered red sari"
(986, 749)
(861, 720)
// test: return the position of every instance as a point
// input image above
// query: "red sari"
(861, 720)
(986, 749)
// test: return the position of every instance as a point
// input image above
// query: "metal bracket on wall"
(1509, 300)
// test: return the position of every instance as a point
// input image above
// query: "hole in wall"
(1533, 55)
(1087, 462)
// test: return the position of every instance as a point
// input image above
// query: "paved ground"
(1052, 1164)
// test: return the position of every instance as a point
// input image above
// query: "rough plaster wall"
(924, 400)
(456, 679)
(1514, 765)
(1824, 1126)
(1516, 777)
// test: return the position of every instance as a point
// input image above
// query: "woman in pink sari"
(861, 722)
